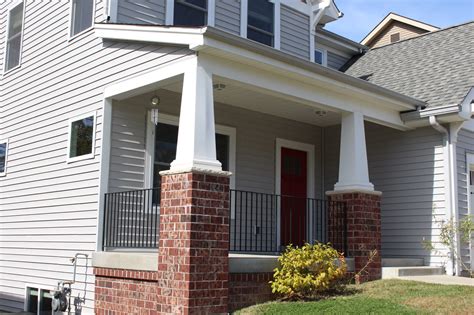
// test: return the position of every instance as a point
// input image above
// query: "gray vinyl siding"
(336, 61)
(228, 15)
(407, 167)
(464, 146)
(294, 32)
(48, 206)
(141, 11)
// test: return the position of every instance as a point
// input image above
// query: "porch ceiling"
(248, 97)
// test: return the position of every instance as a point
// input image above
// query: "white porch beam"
(353, 165)
(196, 148)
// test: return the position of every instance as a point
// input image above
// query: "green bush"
(308, 271)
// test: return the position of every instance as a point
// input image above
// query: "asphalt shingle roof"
(436, 67)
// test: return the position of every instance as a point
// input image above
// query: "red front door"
(293, 196)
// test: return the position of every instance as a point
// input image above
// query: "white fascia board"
(302, 73)
(151, 34)
(310, 90)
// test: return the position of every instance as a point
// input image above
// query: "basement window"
(38, 301)
(3, 157)
(81, 138)
(260, 24)
(190, 12)
(82, 16)
(14, 37)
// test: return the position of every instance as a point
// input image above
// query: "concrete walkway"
(441, 279)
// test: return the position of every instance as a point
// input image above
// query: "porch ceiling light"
(219, 86)
(155, 101)
(320, 113)
(153, 106)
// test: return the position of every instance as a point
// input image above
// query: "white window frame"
(71, 21)
(169, 14)
(40, 290)
(244, 11)
(174, 120)
(324, 52)
(10, 8)
(94, 130)
(4, 173)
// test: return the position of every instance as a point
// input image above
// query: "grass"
(382, 297)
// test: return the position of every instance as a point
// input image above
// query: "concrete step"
(402, 262)
(395, 272)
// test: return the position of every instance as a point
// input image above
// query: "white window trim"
(94, 129)
(244, 8)
(310, 172)
(4, 173)
(174, 120)
(11, 7)
(40, 290)
(169, 12)
(69, 29)
(324, 52)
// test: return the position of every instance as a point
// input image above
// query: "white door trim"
(310, 173)
(309, 149)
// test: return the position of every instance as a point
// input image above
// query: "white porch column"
(196, 147)
(353, 166)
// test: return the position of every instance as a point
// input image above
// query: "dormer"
(287, 25)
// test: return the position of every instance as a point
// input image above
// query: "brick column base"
(246, 289)
(363, 230)
(193, 262)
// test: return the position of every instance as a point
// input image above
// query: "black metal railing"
(260, 223)
(267, 223)
(131, 219)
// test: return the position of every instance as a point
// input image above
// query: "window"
(260, 26)
(166, 140)
(3, 157)
(190, 12)
(14, 37)
(394, 37)
(320, 56)
(81, 137)
(82, 16)
(38, 301)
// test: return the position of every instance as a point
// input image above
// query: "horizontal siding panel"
(141, 11)
(227, 15)
(294, 32)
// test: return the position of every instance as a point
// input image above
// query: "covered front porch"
(243, 155)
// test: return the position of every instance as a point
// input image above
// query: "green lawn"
(382, 297)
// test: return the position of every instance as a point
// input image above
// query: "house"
(181, 144)
(395, 27)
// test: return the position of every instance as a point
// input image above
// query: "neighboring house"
(394, 28)
(91, 98)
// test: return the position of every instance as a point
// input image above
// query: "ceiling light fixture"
(219, 86)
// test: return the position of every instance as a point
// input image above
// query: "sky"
(361, 16)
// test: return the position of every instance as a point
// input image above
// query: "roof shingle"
(436, 67)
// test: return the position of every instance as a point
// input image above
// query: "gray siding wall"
(294, 32)
(408, 168)
(49, 207)
(228, 15)
(465, 145)
(336, 61)
(141, 11)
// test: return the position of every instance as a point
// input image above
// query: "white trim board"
(470, 167)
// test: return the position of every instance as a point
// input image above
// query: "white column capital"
(196, 147)
(353, 165)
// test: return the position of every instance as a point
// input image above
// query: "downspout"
(450, 136)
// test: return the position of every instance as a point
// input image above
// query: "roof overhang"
(395, 17)
(212, 41)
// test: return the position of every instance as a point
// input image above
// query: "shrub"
(308, 271)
